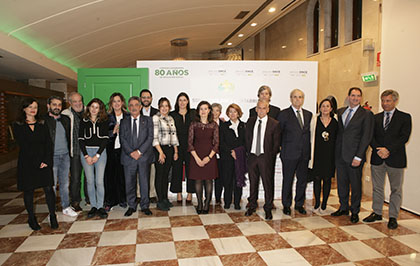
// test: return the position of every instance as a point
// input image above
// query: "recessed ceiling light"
(240, 35)
(321, 30)
(284, 46)
(300, 39)
(253, 24)
(229, 43)
(272, 9)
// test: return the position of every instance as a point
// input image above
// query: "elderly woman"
(35, 161)
(232, 142)
(216, 110)
(166, 144)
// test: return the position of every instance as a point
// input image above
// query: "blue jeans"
(61, 170)
(95, 177)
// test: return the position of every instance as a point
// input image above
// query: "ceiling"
(116, 33)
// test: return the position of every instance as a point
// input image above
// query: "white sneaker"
(69, 212)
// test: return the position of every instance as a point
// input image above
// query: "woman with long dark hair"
(35, 161)
(203, 143)
(183, 115)
(324, 132)
(93, 138)
(114, 171)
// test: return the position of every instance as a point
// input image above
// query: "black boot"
(53, 221)
(33, 223)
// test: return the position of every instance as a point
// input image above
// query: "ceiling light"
(300, 39)
(272, 9)
(284, 46)
(240, 35)
(229, 43)
(321, 30)
(253, 24)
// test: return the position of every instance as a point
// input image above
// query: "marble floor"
(223, 237)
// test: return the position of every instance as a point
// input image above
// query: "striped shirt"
(164, 131)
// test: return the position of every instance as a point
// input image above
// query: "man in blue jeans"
(59, 129)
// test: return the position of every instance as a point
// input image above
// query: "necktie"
(387, 120)
(348, 117)
(134, 136)
(258, 149)
(299, 119)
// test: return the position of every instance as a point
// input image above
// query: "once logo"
(171, 72)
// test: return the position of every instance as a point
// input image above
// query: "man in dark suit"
(355, 129)
(136, 136)
(295, 151)
(262, 142)
(391, 132)
(147, 109)
(264, 94)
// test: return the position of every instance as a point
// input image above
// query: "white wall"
(400, 58)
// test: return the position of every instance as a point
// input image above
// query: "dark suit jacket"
(394, 139)
(273, 112)
(112, 122)
(228, 139)
(355, 138)
(143, 143)
(271, 137)
(52, 125)
(295, 142)
(153, 111)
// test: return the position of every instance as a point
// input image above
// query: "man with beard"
(146, 99)
(59, 129)
(75, 113)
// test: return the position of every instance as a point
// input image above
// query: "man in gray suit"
(355, 130)
(136, 136)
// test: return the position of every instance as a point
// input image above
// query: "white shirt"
(391, 113)
(117, 144)
(234, 127)
(254, 138)
(300, 113)
(146, 112)
(346, 113)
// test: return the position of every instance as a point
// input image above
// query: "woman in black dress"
(35, 161)
(114, 171)
(323, 153)
(182, 116)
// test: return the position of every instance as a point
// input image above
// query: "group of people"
(129, 154)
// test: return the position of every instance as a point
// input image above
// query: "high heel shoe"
(33, 223)
(179, 198)
(53, 221)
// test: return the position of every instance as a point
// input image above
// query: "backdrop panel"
(227, 82)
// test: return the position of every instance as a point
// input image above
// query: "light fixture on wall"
(179, 48)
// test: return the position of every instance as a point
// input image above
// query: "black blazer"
(52, 125)
(394, 139)
(295, 142)
(112, 122)
(355, 138)
(228, 139)
(271, 137)
(153, 111)
(273, 112)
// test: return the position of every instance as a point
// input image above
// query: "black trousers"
(28, 199)
(114, 179)
(162, 172)
(261, 166)
(349, 176)
(228, 177)
(290, 168)
(177, 172)
(75, 180)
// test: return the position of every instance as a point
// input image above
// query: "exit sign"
(369, 77)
